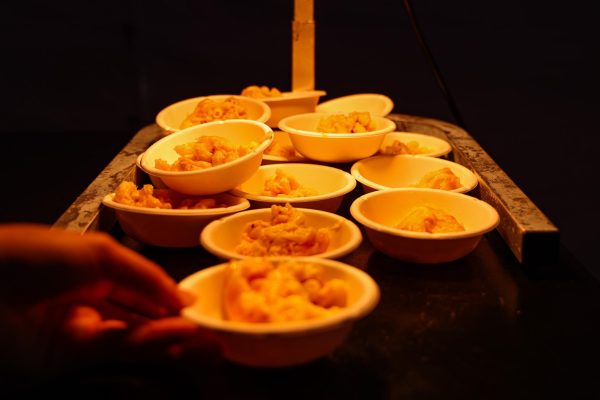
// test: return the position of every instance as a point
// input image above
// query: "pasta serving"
(205, 152)
(261, 291)
(150, 197)
(286, 234)
(209, 110)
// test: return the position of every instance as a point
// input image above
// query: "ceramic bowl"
(155, 180)
(286, 343)
(387, 172)
(171, 117)
(429, 146)
(222, 236)
(291, 103)
(170, 227)
(217, 179)
(282, 150)
(330, 184)
(381, 211)
(333, 147)
(376, 104)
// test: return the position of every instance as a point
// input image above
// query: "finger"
(164, 330)
(66, 260)
(178, 339)
(186, 297)
(89, 339)
(63, 261)
(85, 324)
(59, 261)
(133, 302)
(138, 275)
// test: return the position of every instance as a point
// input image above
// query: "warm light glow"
(303, 46)
(303, 10)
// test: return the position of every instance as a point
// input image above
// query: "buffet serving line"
(478, 309)
(504, 308)
(528, 233)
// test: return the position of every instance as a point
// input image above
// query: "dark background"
(78, 79)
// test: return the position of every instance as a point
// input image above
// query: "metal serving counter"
(517, 318)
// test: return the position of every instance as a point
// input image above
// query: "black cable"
(439, 78)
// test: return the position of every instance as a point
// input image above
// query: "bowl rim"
(389, 103)
(370, 224)
(355, 171)
(445, 149)
(293, 95)
(280, 159)
(366, 302)
(160, 117)
(267, 131)
(347, 188)
(283, 125)
(206, 240)
(243, 204)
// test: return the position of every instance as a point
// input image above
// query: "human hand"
(64, 291)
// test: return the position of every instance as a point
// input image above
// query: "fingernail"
(186, 298)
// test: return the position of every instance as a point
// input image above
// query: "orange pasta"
(260, 291)
(284, 185)
(209, 110)
(286, 234)
(355, 122)
(431, 220)
(128, 193)
(443, 179)
(260, 92)
(206, 152)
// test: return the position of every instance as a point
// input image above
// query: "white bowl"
(155, 180)
(217, 179)
(283, 139)
(221, 236)
(291, 103)
(333, 147)
(330, 183)
(379, 212)
(279, 344)
(170, 228)
(376, 104)
(171, 117)
(437, 147)
(388, 172)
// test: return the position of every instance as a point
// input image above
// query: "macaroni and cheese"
(440, 179)
(429, 219)
(355, 122)
(261, 291)
(209, 110)
(286, 234)
(397, 147)
(283, 185)
(128, 193)
(206, 152)
(260, 92)
(281, 150)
